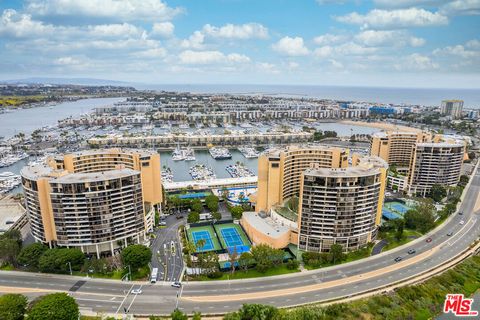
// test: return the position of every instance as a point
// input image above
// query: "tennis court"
(394, 210)
(233, 238)
(206, 233)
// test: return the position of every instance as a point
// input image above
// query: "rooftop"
(267, 225)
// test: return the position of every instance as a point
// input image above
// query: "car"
(428, 240)
(450, 233)
(398, 259)
(460, 213)
(136, 291)
(179, 216)
(462, 222)
(176, 284)
(412, 251)
(162, 223)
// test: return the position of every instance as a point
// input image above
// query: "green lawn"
(351, 256)
(251, 273)
(393, 242)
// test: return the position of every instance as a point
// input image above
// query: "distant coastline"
(381, 125)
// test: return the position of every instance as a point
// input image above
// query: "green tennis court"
(233, 237)
(204, 233)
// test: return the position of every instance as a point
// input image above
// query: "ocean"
(411, 96)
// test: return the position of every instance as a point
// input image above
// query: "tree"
(211, 201)
(438, 192)
(216, 215)
(197, 316)
(178, 315)
(193, 217)
(262, 254)
(336, 253)
(245, 260)
(421, 217)
(59, 260)
(9, 250)
(258, 312)
(200, 244)
(136, 256)
(232, 258)
(12, 306)
(196, 206)
(55, 306)
(399, 224)
(236, 212)
(30, 255)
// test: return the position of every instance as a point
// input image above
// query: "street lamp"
(70, 267)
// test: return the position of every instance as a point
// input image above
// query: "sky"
(392, 43)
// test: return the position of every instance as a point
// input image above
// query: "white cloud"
(62, 61)
(18, 25)
(384, 38)
(241, 32)
(416, 62)
(461, 7)
(407, 3)
(473, 44)
(392, 19)
(336, 64)
(323, 52)
(152, 53)
(268, 67)
(163, 29)
(211, 57)
(344, 50)
(125, 10)
(291, 47)
(328, 38)
(124, 30)
(459, 51)
(195, 41)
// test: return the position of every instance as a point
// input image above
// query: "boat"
(220, 153)
(187, 154)
(248, 152)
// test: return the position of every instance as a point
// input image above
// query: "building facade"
(435, 163)
(452, 108)
(97, 201)
(280, 171)
(396, 147)
(341, 206)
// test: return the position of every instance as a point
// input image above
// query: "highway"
(108, 296)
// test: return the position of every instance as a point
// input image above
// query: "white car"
(136, 291)
(176, 284)
(462, 222)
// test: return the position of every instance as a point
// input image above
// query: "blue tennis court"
(202, 235)
(232, 237)
(399, 207)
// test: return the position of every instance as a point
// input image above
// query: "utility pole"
(70, 267)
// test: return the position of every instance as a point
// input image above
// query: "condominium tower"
(96, 201)
(341, 205)
(279, 171)
(452, 108)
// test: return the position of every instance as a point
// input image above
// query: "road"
(165, 257)
(286, 290)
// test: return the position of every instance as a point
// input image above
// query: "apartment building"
(96, 201)
(341, 205)
(280, 171)
(435, 163)
(452, 108)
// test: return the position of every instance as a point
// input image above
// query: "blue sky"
(407, 43)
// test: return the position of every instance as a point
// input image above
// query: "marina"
(238, 170)
(220, 153)
(201, 172)
(186, 154)
(249, 152)
(9, 181)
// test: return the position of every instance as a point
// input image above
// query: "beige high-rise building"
(396, 147)
(452, 108)
(341, 206)
(435, 163)
(93, 200)
(279, 171)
